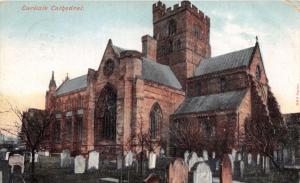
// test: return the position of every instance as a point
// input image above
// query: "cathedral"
(173, 79)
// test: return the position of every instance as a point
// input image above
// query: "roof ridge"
(225, 54)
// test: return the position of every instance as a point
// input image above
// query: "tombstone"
(152, 178)
(275, 155)
(7, 155)
(93, 161)
(186, 156)
(119, 162)
(258, 159)
(178, 171)
(36, 158)
(1, 179)
(285, 156)
(162, 152)
(267, 165)
(152, 160)
(128, 159)
(239, 157)
(202, 173)
(249, 158)
(192, 160)
(242, 167)
(47, 153)
(79, 166)
(3, 153)
(213, 155)
(205, 155)
(65, 159)
(237, 169)
(16, 160)
(226, 171)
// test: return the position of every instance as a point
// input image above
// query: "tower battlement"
(160, 11)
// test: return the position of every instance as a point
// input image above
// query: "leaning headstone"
(202, 173)
(226, 175)
(152, 160)
(7, 155)
(186, 156)
(205, 155)
(192, 160)
(79, 166)
(128, 159)
(65, 159)
(93, 161)
(178, 171)
(16, 160)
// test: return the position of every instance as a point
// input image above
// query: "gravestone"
(275, 155)
(192, 160)
(226, 175)
(213, 155)
(239, 156)
(285, 156)
(178, 171)
(249, 158)
(152, 160)
(47, 153)
(258, 159)
(79, 166)
(1, 179)
(16, 160)
(7, 155)
(205, 155)
(65, 159)
(129, 159)
(186, 156)
(93, 161)
(36, 157)
(202, 173)
(267, 159)
(119, 161)
(162, 152)
(242, 167)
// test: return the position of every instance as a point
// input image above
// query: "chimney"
(149, 47)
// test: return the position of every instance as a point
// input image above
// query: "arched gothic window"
(105, 114)
(208, 129)
(155, 120)
(172, 27)
(257, 72)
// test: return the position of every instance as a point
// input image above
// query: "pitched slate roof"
(159, 73)
(117, 49)
(72, 85)
(223, 62)
(218, 102)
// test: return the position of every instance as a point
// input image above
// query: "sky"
(35, 42)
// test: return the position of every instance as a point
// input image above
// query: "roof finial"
(67, 77)
(256, 39)
(52, 77)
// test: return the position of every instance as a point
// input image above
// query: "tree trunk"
(32, 165)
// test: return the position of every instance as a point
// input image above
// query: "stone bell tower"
(182, 35)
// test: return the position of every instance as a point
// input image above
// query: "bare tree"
(265, 130)
(33, 130)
